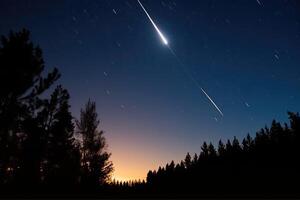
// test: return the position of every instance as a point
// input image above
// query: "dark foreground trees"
(21, 84)
(39, 153)
(38, 150)
(95, 159)
(61, 161)
(268, 164)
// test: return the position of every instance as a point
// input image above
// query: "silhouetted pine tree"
(21, 83)
(212, 151)
(248, 143)
(95, 159)
(204, 150)
(188, 160)
(221, 148)
(61, 164)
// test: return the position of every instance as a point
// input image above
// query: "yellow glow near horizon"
(135, 153)
(133, 158)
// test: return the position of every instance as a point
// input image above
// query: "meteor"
(184, 68)
(258, 1)
(163, 38)
(188, 74)
(212, 102)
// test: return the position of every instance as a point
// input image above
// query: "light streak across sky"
(165, 41)
(163, 38)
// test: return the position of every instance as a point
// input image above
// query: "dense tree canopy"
(37, 142)
(269, 163)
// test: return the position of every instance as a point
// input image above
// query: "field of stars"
(225, 68)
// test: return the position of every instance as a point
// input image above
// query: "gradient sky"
(245, 53)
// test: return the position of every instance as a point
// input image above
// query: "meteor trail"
(195, 81)
(165, 41)
(212, 102)
(184, 68)
(258, 1)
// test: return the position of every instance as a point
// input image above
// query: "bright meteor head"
(165, 41)
(163, 38)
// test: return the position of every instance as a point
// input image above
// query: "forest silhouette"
(45, 151)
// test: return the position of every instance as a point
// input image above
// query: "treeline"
(44, 150)
(268, 164)
(42, 147)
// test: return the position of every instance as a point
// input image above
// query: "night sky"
(245, 54)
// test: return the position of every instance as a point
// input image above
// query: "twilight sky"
(244, 53)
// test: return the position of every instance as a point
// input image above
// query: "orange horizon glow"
(135, 152)
(133, 155)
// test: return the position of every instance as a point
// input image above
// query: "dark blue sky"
(245, 53)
